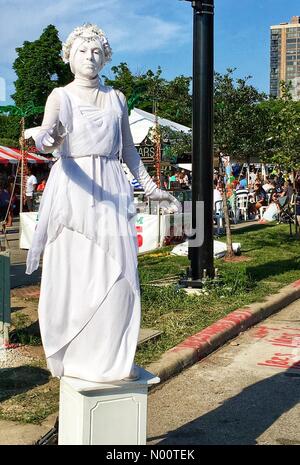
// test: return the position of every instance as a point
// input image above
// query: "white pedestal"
(109, 414)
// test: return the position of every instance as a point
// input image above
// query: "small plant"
(24, 338)
(23, 332)
(20, 320)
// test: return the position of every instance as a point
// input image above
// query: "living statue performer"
(89, 308)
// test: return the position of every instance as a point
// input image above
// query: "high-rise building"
(285, 57)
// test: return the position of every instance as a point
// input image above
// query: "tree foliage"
(283, 133)
(174, 143)
(149, 90)
(39, 68)
(239, 123)
(9, 130)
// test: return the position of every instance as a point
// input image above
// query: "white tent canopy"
(141, 121)
(32, 132)
(185, 166)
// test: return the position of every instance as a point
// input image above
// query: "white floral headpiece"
(87, 32)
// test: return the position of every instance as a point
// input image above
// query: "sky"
(149, 33)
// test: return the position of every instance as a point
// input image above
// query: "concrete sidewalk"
(196, 347)
(245, 393)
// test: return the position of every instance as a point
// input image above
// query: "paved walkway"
(247, 392)
(18, 261)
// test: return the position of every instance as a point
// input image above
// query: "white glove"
(50, 139)
(167, 201)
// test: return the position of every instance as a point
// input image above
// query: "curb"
(201, 344)
(26, 291)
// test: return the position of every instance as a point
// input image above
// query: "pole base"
(187, 280)
(193, 283)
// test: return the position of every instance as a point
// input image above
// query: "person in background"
(31, 184)
(267, 185)
(252, 176)
(41, 186)
(243, 182)
(172, 179)
(288, 189)
(4, 201)
(183, 180)
(298, 208)
(297, 181)
(236, 169)
(260, 199)
(217, 197)
(272, 210)
(185, 177)
(280, 179)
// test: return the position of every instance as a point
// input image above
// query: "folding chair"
(218, 215)
(242, 205)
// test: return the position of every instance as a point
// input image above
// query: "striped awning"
(12, 155)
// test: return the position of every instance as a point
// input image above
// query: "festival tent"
(141, 121)
(185, 166)
(13, 155)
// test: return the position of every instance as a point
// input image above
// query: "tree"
(238, 126)
(176, 101)
(9, 130)
(39, 68)
(149, 90)
(284, 130)
(238, 117)
(139, 89)
(175, 143)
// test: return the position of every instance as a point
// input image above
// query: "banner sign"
(146, 152)
(28, 222)
(152, 230)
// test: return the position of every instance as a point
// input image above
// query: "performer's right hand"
(52, 137)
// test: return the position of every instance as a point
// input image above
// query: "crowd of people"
(35, 182)
(177, 179)
(272, 191)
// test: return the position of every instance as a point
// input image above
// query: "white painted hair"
(87, 32)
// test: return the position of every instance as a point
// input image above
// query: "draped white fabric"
(89, 307)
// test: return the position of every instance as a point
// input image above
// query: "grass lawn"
(29, 394)
(273, 260)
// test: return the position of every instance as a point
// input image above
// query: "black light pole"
(201, 252)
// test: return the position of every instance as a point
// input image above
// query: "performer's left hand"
(167, 201)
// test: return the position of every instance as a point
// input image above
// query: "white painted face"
(86, 58)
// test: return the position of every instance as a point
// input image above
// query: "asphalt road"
(245, 393)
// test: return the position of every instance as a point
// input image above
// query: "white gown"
(89, 308)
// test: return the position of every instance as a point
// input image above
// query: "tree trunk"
(22, 143)
(294, 180)
(230, 252)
